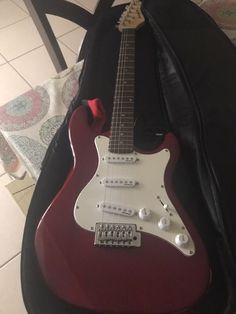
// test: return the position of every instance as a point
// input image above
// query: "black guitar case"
(185, 83)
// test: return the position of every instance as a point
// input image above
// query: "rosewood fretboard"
(122, 125)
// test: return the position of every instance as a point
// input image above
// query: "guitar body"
(158, 276)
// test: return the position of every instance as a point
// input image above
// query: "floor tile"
(11, 84)
(198, 1)
(118, 2)
(73, 1)
(22, 191)
(6, 19)
(36, 66)
(90, 5)
(19, 38)
(60, 26)
(230, 33)
(74, 39)
(70, 56)
(2, 60)
(12, 222)
(11, 301)
(21, 4)
(4, 178)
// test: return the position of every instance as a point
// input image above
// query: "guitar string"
(121, 84)
(115, 143)
(121, 96)
(116, 109)
(122, 111)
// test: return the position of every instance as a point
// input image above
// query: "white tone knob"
(144, 213)
(181, 239)
(164, 223)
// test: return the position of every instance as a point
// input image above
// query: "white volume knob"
(144, 213)
(181, 239)
(164, 223)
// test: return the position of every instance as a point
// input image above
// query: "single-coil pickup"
(120, 158)
(118, 182)
(116, 210)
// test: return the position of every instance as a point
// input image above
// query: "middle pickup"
(119, 182)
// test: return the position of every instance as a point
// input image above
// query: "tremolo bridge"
(117, 235)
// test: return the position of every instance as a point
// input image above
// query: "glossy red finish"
(155, 278)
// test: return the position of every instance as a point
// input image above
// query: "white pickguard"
(148, 171)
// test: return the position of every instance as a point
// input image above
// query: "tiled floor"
(24, 63)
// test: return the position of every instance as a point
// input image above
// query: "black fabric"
(185, 83)
(198, 69)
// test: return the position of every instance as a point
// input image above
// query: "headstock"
(132, 17)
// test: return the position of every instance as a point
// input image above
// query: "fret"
(130, 79)
(120, 139)
(125, 84)
(121, 146)
(118, 121)
(129, 88)
(126, 114)
(124, 101)
(124, 128)
(128, 57)
(118, 112)
(121, 101)
(127, 53)
(127, 74)
(123, 112)
(124, 119)
(129, 67)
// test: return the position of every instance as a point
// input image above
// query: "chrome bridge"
(117, 235)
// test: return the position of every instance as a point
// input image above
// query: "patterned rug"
(29, 122)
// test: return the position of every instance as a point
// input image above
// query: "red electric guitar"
(115, 239)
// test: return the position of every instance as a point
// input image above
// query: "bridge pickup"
(117, 235)
(118, 182)
(120, 158)
(116, 209)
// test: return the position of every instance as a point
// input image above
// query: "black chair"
(70, 11)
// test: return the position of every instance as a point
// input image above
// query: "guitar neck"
(122, 125)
